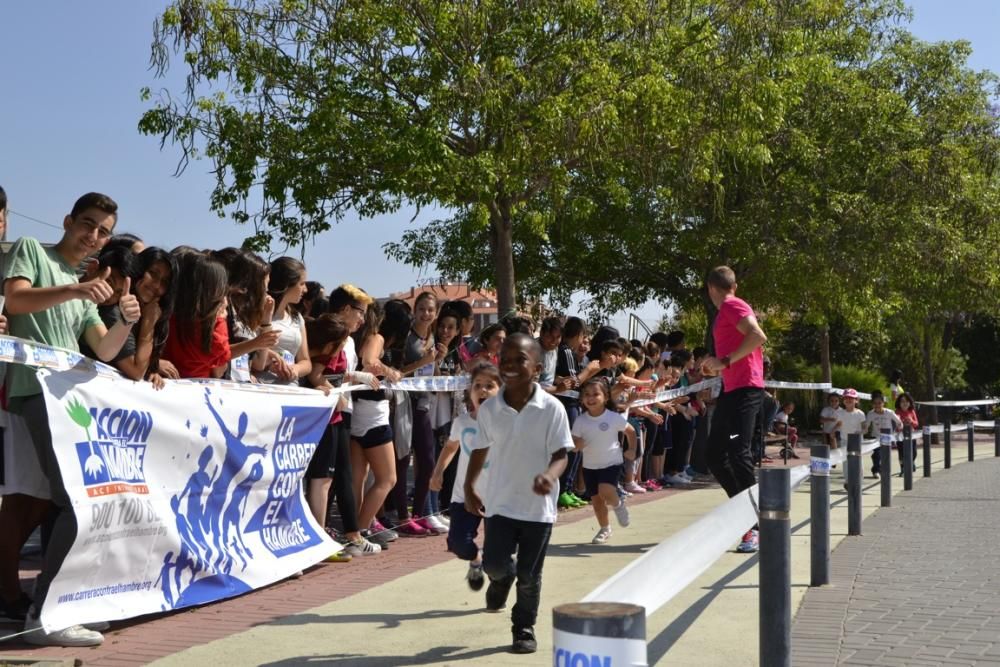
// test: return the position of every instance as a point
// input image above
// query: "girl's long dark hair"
(285, 272)
(246, 288)
(145, 261)
(201, 286)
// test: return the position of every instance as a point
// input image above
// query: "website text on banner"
(181, 496)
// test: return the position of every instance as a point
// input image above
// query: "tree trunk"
(502, 251)
(710, 312)
(929, 370)
(824, 353)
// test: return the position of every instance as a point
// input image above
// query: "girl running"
(595, 432)
(485, 383)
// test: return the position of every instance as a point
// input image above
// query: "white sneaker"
(602, 535)
(362, 548)
(445, 520)
(75, 635)
(99, 626)
(634, 488)
(621, 513)
(676, 480)
(436, 523)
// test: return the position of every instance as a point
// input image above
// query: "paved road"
(920, 587)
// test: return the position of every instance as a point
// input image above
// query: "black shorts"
(321, 464)
(662, 442)
(610, 475)
(374, 437)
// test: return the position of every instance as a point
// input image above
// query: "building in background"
(483, 301)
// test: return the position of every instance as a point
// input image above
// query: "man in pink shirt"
(738, 356)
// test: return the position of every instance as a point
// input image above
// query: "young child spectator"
(884, 423)
(526, 435)
(595, 433)
(484, 381)
(850, 419)
(907, 414)
(782, 423)
(828, 419)
(574, 332)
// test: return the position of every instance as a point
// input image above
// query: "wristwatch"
(726, 361)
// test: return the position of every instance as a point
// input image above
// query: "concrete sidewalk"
(415, 609)
(920, 587)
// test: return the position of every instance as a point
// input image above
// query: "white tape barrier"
(20, 351)
(688, 553)
(960, 404)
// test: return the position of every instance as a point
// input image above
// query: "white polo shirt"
(521, 446)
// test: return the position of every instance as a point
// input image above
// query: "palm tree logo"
(81, 416)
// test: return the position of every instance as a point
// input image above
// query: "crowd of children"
(547, 422)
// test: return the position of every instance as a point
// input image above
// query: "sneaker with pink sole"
(411, 528)
(429, 525)
(632, 487)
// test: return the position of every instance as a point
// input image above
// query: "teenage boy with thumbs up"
(47, 304)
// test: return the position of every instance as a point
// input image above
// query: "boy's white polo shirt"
(521, 445)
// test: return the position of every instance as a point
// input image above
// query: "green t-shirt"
(61, 326)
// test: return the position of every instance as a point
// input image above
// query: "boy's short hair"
(877, 395)
(520, 338)
(722, 277)
(573, 327)
(95, 200)
(699, 352)
(675, 338)
(550, 324)
(660, 338)
(610, 346)
(462, 310)
(680, 358)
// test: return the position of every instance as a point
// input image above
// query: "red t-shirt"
(748, 371)
(909, 417)
(186, 353)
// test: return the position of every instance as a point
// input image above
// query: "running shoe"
(437, 524)
(387, 533)
(634, 488)
(429, 526)
(689, 471)
(362, 547)
(676, 480)
(580, 502)
(377, 538)
(524, 641)
(566, 501)
(475, 577)
(342, 556)
(75, 635)
(412, 529)
(602, 535)
(621, 513)
(444, 520)
(750, 542)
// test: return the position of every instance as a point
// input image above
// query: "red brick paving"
(141, 640)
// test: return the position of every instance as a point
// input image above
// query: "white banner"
(182, 496)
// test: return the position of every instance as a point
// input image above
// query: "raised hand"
(129, 305)
(97, 289)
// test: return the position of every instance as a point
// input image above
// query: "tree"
(316, 106)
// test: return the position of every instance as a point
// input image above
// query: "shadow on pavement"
(428, 657)
(585, 549)
(387, 620)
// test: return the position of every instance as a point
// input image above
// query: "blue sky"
(70, 104)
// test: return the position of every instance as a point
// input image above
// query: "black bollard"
(927, 451)
(599, 633)
(972, 440)
(854, 484)
(996, 436)
(885, 467)
(947, 439)
(819, 516)
(908, 445)
(775, 568)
